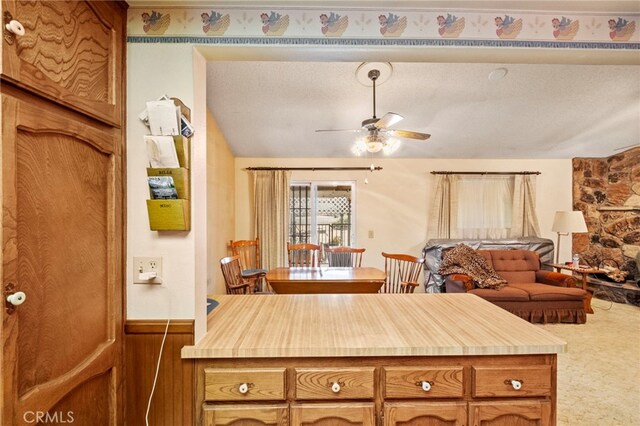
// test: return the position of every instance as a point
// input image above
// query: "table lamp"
(565, 223)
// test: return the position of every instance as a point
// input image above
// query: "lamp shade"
(569, 222)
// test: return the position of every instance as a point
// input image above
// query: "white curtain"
(271, 215)
(483, 206)
(524, 221)
(442, 217)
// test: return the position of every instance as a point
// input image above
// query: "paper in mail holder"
(164, 118)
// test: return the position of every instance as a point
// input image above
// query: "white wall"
(395, 202)
(154, 70)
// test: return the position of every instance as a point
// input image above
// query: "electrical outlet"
(370, 233)
(145, 266)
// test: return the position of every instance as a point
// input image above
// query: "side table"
(583, 271)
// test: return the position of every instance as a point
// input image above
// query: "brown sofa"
(533, 294)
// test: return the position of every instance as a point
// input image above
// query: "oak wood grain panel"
(366, 325)
(62, 230)
(406, 382)
(254, 415)
(353, 383)
(173, 399)
(511, 413)
(72, 53)
(496, 381)
(425, 414)
(333, 414)
(223, 384)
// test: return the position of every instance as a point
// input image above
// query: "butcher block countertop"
(361, 325)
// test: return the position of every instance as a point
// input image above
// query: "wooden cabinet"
(63, 212)
(244, 384)
(334, 383)
(511, 413)
(254, 415)
(423, 382)
(71, 53)
(418, 391)
(425, 413)
(396, 359)
(334, 414)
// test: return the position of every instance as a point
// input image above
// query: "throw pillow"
(462, 259)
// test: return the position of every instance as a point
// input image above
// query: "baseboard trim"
(176, 326)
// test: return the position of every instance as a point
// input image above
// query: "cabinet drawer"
(244, 384)
(411, 382)
(220, 415)
(334, 383)
(511, 381)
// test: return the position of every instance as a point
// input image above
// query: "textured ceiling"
(272, 109)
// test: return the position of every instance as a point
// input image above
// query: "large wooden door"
(62, 233)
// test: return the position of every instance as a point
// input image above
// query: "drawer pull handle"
(336, 386)
(425, 385)
(516, 384)
(243, 388)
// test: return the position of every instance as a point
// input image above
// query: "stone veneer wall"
(598, 185)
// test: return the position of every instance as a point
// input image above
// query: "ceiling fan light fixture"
(374, 142)
(391, 146)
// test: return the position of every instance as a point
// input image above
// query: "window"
(485, 206)
(322, 213)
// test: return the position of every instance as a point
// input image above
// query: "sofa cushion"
(505, 294)
(518, 276)
(539, 291)
(516, 266)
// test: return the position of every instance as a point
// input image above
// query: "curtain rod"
(314, 169)
(483, 173)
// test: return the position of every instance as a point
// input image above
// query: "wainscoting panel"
(172, 402)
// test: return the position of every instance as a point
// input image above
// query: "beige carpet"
(599, 375)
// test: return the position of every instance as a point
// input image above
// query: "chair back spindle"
(232, 274)
(306, 254)
(402, 271)
(344, 256)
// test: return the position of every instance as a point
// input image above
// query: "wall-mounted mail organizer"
(169, 177)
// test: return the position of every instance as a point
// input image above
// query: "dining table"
(325, 280)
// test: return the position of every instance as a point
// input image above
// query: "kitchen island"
(369, 359)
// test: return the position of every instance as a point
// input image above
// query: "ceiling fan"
(379, 136)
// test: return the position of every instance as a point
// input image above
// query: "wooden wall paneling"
(173, 399)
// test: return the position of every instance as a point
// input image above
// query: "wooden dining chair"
(249, 254)
(305, 254)
(344, 256)
(402, 273)
(233, 280)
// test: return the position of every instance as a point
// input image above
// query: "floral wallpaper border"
(267, 26)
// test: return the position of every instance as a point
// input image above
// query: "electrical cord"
(155, 379)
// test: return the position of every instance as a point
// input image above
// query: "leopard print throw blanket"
(463, 259)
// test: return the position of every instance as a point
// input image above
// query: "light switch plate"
(147, 264)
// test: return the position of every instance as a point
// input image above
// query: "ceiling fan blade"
(388, 120)
(339, 130)
(410, 135)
